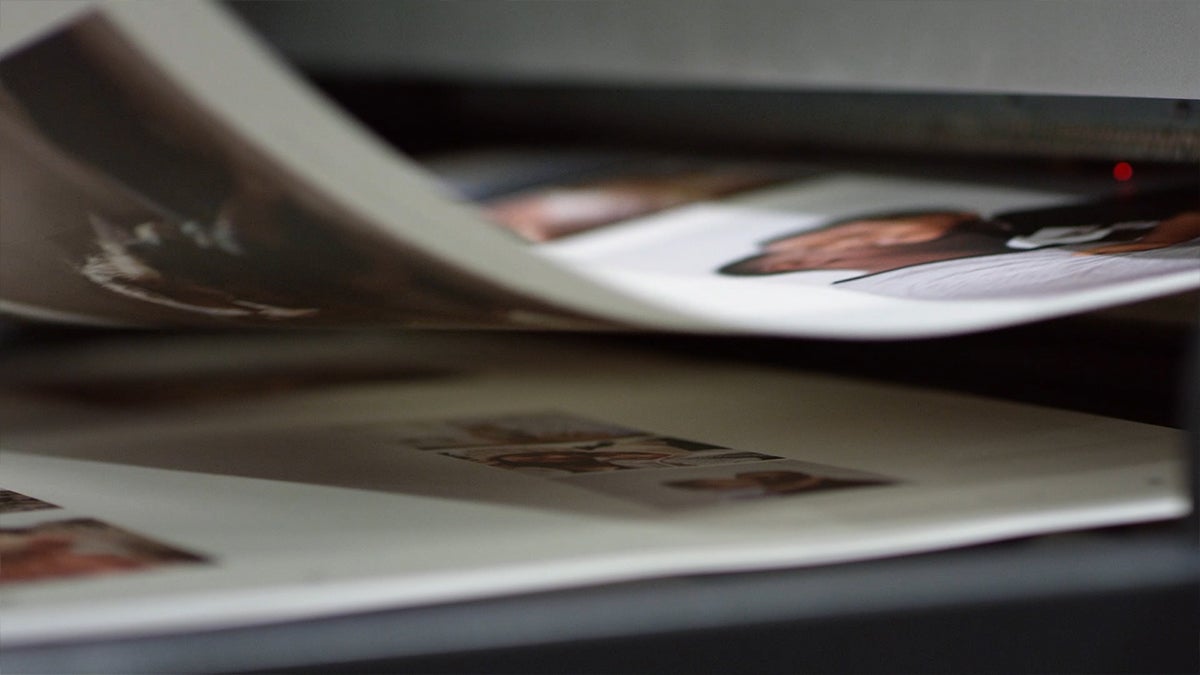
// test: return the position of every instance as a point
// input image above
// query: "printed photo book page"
(198, 482)
(163, 167)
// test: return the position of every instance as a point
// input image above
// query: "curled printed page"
(158, 488)
(163, 167)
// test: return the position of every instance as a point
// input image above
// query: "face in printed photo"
(551, 213)
(571, 458)
(76, 548)
(642, 452)
(516, 429)
(1079, 245)
(875, 244)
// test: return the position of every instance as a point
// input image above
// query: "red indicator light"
(1122, 171)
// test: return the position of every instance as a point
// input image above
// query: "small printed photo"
(67, 549)
(963, 253)
(520, 429)
(551, 212)
(601, 456)
(711, 485)
(166, 216)
(15, 502)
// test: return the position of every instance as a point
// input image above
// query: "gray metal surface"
(1124, 576)
(1149, 48)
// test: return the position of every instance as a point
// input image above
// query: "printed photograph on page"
(56, 550)
(900, 238)
(641, 466)
(593, 192)
(530, 428)
(125, 199)
(637, 452)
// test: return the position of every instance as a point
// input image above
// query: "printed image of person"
(960, 254)
(603, 456)
(547, 462)
(173, 216)
(876, 243)
(552, 212)
(79, 548)
(543, 428)
(183, 224)
(688, 486)
(755, 484)
(522, 429)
